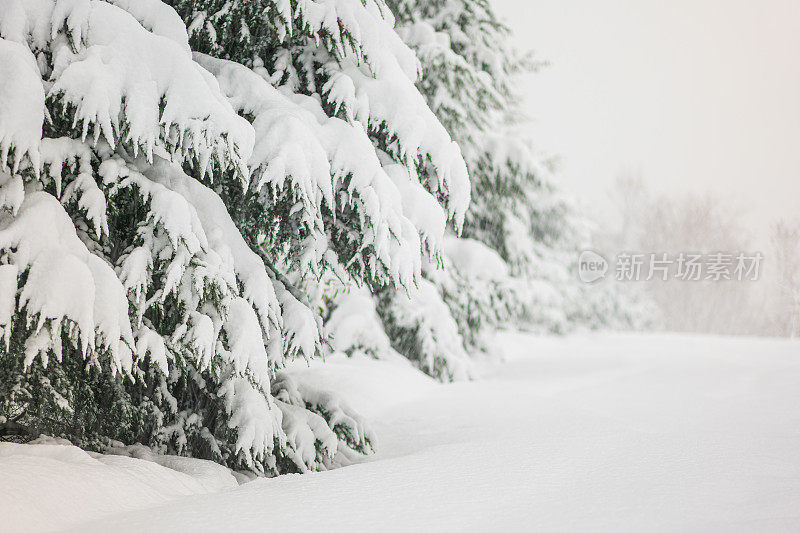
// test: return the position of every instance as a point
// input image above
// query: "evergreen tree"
(470, 70)
(179, 184)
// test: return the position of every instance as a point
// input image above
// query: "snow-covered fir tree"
(520, 225)
(413, 149)
(186, 188)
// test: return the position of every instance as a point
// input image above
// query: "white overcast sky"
(696, 95)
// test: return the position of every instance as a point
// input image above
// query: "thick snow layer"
(212, 476)
(157, 17)
(602, 432)
(474, 259)
(22, 94)
(369, 386)
(50, 486)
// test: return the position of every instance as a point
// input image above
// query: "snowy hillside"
(601, 432)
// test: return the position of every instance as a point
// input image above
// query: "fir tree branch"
(299, 295)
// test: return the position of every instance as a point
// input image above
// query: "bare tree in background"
(786, 247)
(652, 223)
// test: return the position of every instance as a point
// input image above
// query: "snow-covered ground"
(598, 432)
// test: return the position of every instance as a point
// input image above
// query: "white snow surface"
(50, 486)
(599, 432)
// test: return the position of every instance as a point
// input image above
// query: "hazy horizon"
(693, 96)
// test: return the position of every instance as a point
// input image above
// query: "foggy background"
(692, 95)
(694, 106)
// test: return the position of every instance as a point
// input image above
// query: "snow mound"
(49, 486)
(368, 385)
(213, 476)
(474, 259)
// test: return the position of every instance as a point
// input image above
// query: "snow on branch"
(392, 104)
(116, 79)
(66, 288)
(321, 155)
(22, 112)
